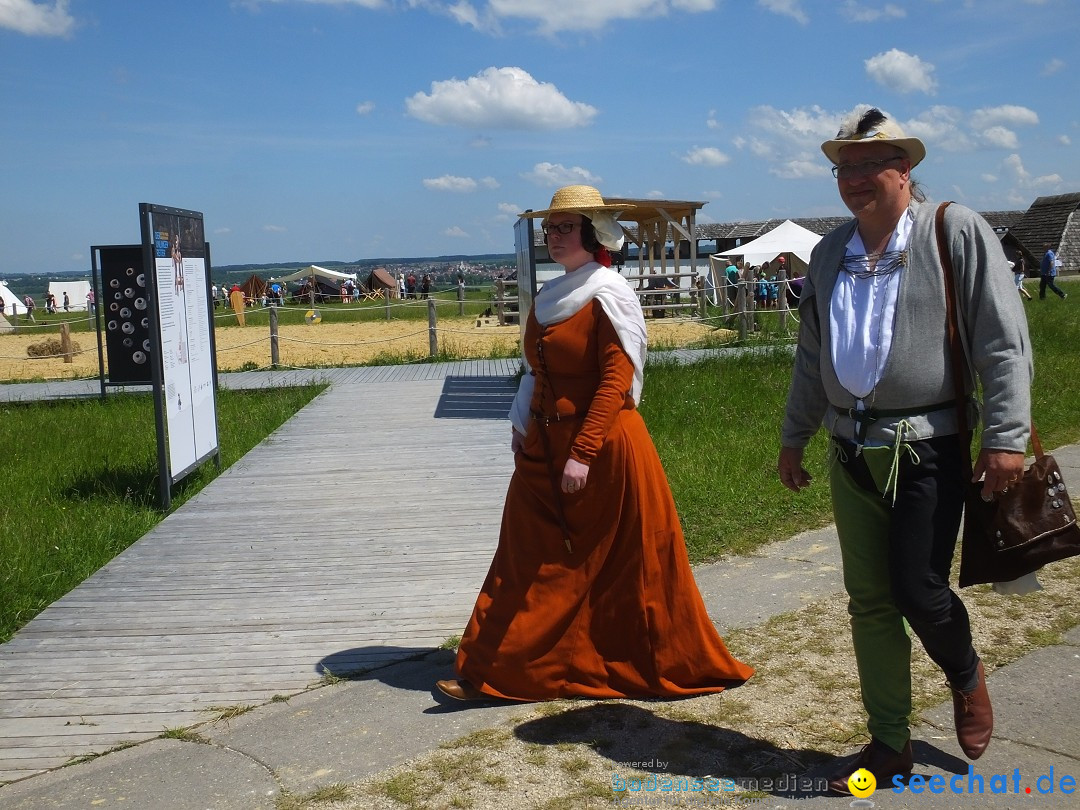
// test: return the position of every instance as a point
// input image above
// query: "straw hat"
(871, 124)
(583, 200)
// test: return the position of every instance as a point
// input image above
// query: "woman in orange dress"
(590, 593)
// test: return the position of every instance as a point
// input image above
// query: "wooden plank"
(200, 613)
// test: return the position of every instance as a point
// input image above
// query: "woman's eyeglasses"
(848, 171)
(564, 228)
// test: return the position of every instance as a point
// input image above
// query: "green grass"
(79, 484)
(717, 428)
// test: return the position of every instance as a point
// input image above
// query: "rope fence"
(662, 297)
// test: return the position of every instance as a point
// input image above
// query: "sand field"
(319, 345)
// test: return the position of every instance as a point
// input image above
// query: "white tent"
(314, 271)
(13, 304)
(76, 291)
(786, 239)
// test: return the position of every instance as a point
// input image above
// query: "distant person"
(590, 593)
(214, 295)
(90, 305)
(1048, 271)
(1019, 269)
(67, 302)
(2, 305)
(402, 289)
(731, 278)
(28, 302)
(425, 286)
(410, 286)
(50, 303)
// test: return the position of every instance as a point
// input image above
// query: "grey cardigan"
(918, 373)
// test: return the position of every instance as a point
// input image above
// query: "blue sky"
(311, 130)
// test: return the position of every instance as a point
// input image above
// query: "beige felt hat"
(577, 200)
(871, 124)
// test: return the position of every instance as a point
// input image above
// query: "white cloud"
(1053, 66)
(489, 182)
(1064, 140)
(1007, 114)
(222, 231)
(901, 72)
(857, 12)
(801, 125)
(364, 107)
(1047, 180)
(274, 228)
(510, 208)
(1023, 177)
(500, 98)
(480, 142)
(705, 156)
(1000, 138)
(555, 174)
(940, 125)
(989, 178)
(798, 169)
(449, 182)
(573, 15)
(37, 19)
(455, 233)
(788, 8)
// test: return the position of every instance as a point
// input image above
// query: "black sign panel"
(125, 291)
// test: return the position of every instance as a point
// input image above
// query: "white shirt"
(862, 313)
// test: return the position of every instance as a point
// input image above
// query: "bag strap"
(956, 349)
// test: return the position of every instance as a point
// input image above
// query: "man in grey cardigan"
(873, 366)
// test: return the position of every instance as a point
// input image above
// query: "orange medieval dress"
(619, 613)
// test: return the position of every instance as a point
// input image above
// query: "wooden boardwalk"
(356, 535)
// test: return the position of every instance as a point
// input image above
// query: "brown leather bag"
(1031, 523)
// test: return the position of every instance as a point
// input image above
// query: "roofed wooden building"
(1050, 221)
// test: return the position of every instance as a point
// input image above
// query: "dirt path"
(320, 345)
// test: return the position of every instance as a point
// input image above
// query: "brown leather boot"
(974, 717)
(883, 762)
(460, 690)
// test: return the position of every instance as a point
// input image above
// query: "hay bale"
(51, 347)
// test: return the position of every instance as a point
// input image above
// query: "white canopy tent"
(76, 290)
(13, 304)
(314, 271)
(786, 239)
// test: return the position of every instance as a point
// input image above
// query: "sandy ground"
(321, 345)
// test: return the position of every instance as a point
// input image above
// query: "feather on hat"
(866, 123)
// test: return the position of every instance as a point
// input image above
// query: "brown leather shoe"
(974, 717)
(883, 762)
(459, 690)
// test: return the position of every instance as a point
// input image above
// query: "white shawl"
(564, 296)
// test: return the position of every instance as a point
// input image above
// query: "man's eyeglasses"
(848, 171)
(564, 228)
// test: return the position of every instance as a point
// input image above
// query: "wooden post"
(461, 299)
(781, 298)
(699, 282)
(432, 327)
(274, 355)
(65, 342)
(740, 306)
(386, 302)
(499, 293)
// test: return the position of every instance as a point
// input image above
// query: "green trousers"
(881, 636)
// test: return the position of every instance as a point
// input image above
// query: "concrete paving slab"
(777, 578)
(1035, 701)
(159, 774)
(351, 730)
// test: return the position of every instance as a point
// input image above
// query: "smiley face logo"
(862, 783)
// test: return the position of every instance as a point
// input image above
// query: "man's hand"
(998, 470)
(792, 474)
